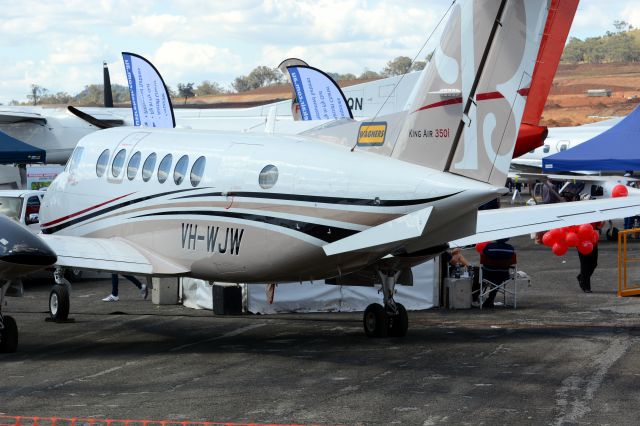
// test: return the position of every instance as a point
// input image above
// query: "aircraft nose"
(20, 246)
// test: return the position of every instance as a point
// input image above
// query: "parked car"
(22, 206)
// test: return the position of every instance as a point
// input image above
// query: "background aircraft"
(560, 139)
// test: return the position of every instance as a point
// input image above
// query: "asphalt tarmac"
(563, 357)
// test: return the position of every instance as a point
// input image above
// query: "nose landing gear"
(8, 326)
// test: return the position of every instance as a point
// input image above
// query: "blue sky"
(61, 45)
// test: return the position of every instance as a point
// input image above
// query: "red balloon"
(585, 247)
(559, 249)
(572, 239)
(557, 235)
(619, 191)
(548, 239)
(585, 232)
(480, 246)
(595, 237)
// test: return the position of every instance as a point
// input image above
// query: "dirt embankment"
(569, 105)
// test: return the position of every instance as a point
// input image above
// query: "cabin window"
(181, 169)
(164, 168)
(268, 176)
(563, 147)
(101, 166)
(197, 170)
(118, 162)
(546, 149)
(74, 161)
(134, 165)
(148, 166)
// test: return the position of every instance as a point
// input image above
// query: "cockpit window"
(101, 166)
(197, 170)
(181, 169)
(148, 166)
(74, 161)
(134, 165)
(163, 169)
(118, 162)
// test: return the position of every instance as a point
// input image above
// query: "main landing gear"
(59, 297)
(392, 319)
(8, 326)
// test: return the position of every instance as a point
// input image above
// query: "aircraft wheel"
(59, 303)
(399, 324)
(9, 335)
(375, 321)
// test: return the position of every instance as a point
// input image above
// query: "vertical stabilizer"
(481, 70)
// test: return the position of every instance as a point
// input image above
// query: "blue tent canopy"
(617, 148)
(14, 151)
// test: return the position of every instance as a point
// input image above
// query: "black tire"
(9, 336)
(73, 275)
(399, 324)
(59, 303)
(375, 321)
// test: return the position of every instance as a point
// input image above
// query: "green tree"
(261, 76)
(36, 93)
(574, 51)
(338, 77)
(208, 88)
(621, 25)
(398, 66)
(185, 91)
(241, 84)
(368, 75)
(418, 65)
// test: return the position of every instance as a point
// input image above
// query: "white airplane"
(560, 139)
(376, 197)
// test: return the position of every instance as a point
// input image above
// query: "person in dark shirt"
(496, 258)
(588, 263)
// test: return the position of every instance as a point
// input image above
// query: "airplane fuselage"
(261, 207)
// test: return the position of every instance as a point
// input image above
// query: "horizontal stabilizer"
(513, 221)
(406, 227)
(111, 255)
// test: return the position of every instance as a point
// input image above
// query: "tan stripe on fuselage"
(354, 217)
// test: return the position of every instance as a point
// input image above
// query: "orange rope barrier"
(73, 421)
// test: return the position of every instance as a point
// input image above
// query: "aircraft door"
(563, 145)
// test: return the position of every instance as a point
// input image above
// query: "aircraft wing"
(513, 221)
(8, 117)
(108, 254)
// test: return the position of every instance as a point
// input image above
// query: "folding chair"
(504, 288)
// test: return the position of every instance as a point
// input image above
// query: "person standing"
(113, 297)
(588, 263)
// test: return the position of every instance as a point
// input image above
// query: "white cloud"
(179, 61)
